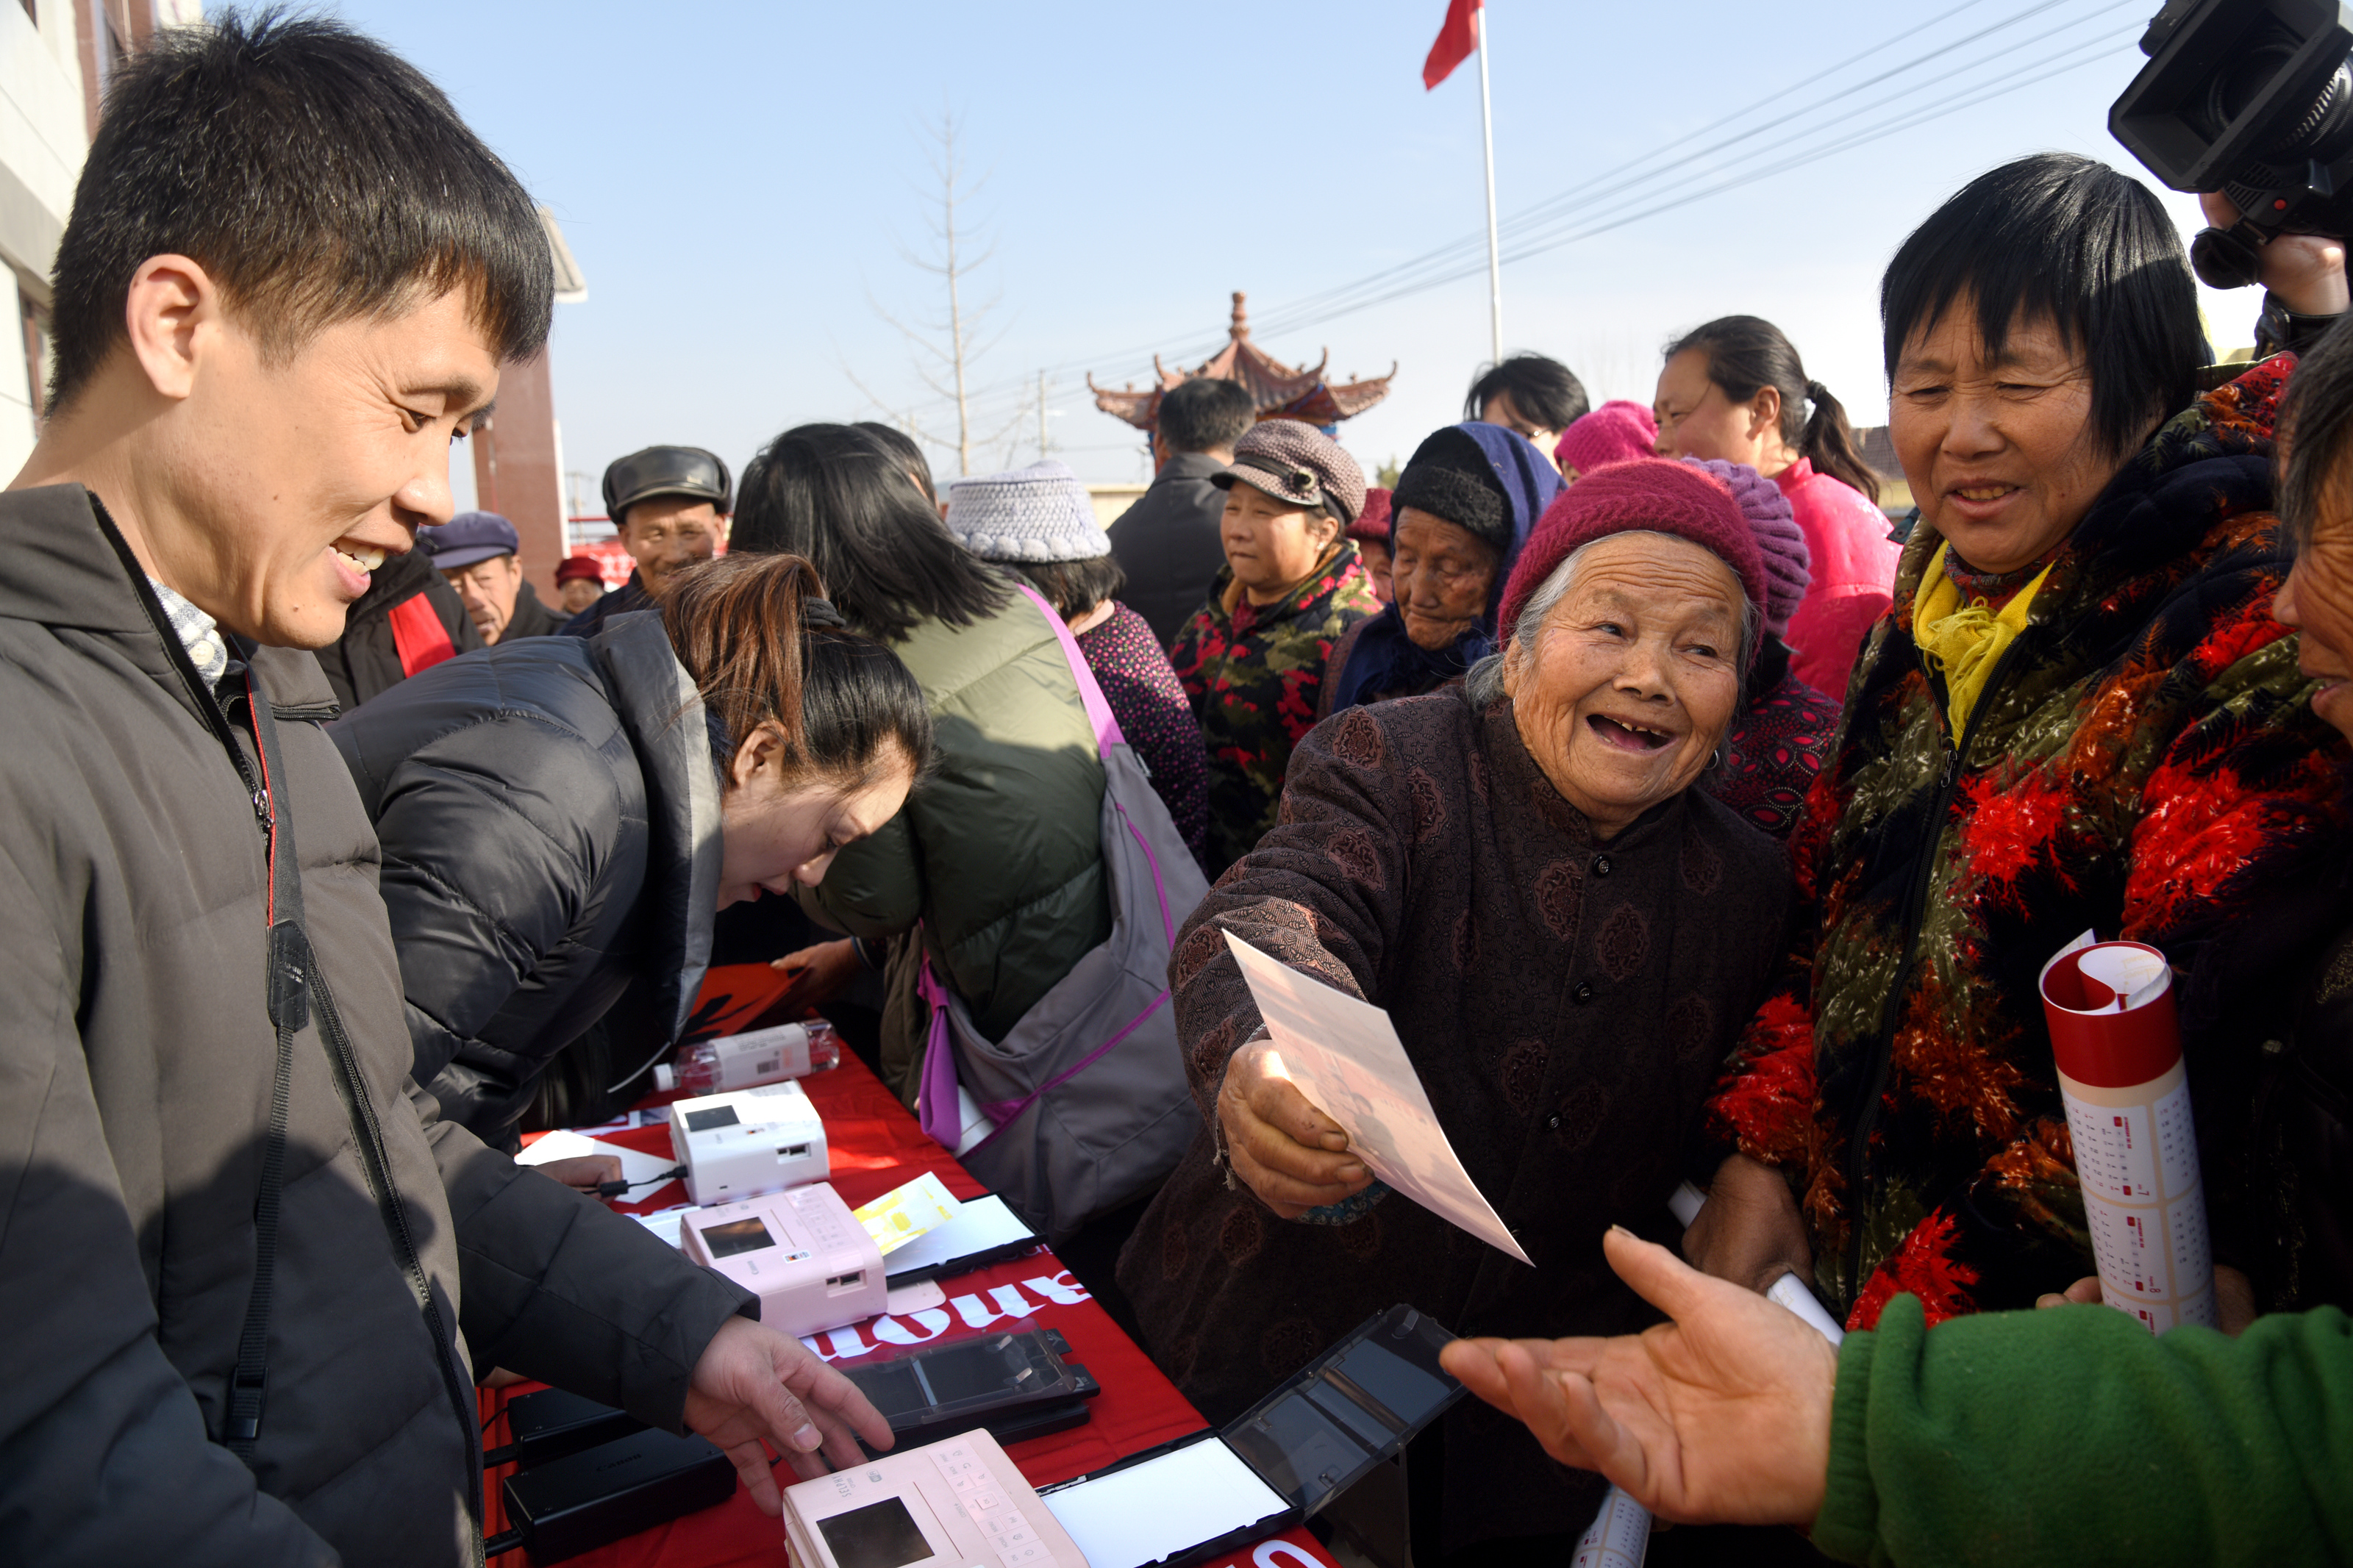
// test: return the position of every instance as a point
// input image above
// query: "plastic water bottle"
(760, 1056)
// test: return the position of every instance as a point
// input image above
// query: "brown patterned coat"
(1567, 1004)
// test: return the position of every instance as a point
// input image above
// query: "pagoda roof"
(1280, 391)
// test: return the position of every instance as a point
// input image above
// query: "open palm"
(1722, 1415)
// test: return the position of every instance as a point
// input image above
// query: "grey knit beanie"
(1788, 564)
(1038, 513)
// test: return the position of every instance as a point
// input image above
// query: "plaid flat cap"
(1295, 462)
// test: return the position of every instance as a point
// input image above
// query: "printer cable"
(615, 1189)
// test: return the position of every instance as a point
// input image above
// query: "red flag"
(1456, 39)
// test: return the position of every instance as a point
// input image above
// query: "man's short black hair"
(1203, 412)
(314, 174)
(1545, 391)
(2068, 240)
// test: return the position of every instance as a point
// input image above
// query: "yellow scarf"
(1964, 642)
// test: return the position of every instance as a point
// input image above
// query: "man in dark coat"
(409, 619)
(247, 1273)
(1167, 542)
(669, 505)
(479, 555)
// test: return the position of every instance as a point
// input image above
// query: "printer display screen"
(737, 1236)
(879, 1535)
(717, 1116)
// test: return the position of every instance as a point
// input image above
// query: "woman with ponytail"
(1735, 390)
(562, 817)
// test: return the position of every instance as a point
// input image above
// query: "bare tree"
(945, 348)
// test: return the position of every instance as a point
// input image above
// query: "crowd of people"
(1692, 818)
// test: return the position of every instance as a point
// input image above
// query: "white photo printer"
(747, 1141)
(954, 1504)
(802, 1252)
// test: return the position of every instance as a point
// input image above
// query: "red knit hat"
(1650, 494)
(1372, 525)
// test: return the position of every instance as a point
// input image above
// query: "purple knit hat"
(1788, 564)
(1650, 494)
(1616, 431)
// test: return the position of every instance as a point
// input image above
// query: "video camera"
(2253, 99)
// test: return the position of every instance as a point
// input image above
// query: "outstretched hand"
(1721, 1416)
(753, 1383)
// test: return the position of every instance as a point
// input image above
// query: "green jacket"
(999, 851)
(2070, 1436)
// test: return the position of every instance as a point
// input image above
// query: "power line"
(1629, 176)
(1644, 167)
(2072, 58)
(1538, 227)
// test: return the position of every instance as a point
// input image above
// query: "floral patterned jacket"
(2144, 762)
(1253, 674)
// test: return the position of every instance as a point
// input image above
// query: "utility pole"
(1044, 445)
(1494, 254)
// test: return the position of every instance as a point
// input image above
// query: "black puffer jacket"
(136, 1067)
(549, 810)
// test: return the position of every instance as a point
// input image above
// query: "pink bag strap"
(942, 1114)
(1099, 711)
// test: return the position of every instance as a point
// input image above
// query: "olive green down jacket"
(997, 852)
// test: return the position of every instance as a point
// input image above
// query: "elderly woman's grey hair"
(1484, 683)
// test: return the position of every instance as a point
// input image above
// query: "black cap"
(666, 471)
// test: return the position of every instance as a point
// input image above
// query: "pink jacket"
(1853, 569)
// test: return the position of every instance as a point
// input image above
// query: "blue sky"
(740, 182)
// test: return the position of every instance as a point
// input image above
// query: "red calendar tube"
(2117, 1045)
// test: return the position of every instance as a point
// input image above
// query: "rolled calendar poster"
(2117, 1045)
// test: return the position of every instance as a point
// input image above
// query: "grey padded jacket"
(136, 1065)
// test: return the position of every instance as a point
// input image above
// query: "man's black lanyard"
(289, 993)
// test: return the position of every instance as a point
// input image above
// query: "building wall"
(44, 135)
(1110, 501)
(52, 74)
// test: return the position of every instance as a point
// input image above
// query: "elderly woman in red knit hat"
(1567, 933)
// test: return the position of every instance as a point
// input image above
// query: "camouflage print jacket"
(1252, 674)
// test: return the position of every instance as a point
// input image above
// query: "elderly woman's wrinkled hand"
(1291, 1154)
(1749, 1230)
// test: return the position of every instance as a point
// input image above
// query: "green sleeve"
(2071, 1437)
(873, 889)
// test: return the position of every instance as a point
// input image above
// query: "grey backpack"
(1083, 1104)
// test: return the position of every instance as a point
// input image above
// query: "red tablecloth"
(875, 1145)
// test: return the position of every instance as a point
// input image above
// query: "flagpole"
(1494, 257)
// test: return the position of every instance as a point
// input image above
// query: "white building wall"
(43, 139)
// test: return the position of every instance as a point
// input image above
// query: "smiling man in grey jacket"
(246, 1274)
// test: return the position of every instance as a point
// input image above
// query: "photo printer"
(1279, 1463)
(747, 1141)
(801, 1252)
(958, 1503)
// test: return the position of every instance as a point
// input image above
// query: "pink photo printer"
(956, 1504)
(801, 1252)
